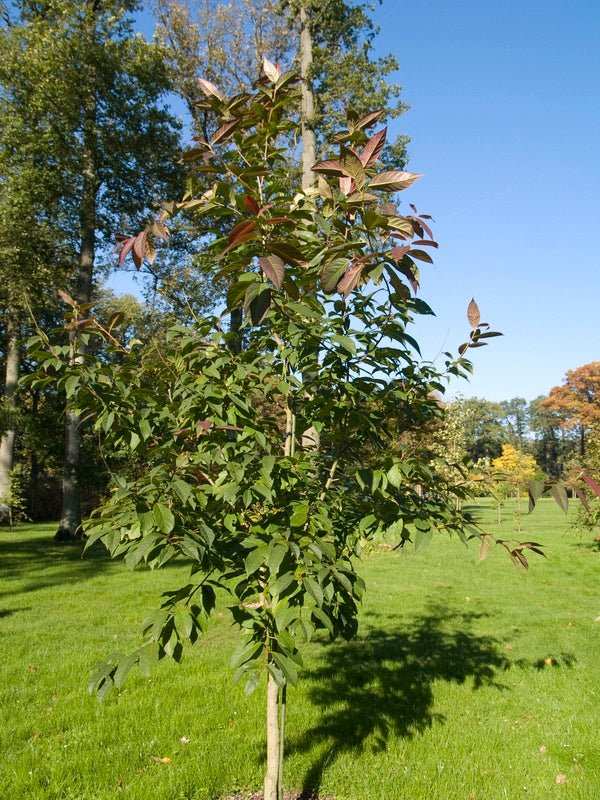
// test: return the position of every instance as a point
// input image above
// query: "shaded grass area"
(475, 682)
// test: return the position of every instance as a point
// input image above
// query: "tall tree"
(98, 89)
(577, 401)
(34, 253)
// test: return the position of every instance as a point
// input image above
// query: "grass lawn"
(466, 682)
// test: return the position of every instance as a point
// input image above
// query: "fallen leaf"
(509, 646)
(549, 662)
(184, 740)
(157, 760)
(542, 748)
(560, 778)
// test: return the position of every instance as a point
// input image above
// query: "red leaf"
(372, 149)
(139, 249)
(421, 255)
(398, 253)
(124, 247)
(329, 167)
(426, 243)
(369, 119)
(350, 280)
(591, 484)
(225, 131)
(347, 186)
(241, 228)
(273, 268)
(251, 205)
(473, 314)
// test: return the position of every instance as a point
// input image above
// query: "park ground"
(470, 682)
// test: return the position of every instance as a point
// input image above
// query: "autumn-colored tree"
(516, 467)
(577, 400)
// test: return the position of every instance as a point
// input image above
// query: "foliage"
(517, 468)
(577, 400)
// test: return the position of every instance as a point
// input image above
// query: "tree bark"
(308, 101)
(70, 520)
(274, 744)
(7, 442)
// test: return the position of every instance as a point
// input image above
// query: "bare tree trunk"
(70, 520)
(7, 442)
(273, 741)
(308, 101)
(310, 437)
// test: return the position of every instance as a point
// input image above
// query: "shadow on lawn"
(381, 684)
(37, 562)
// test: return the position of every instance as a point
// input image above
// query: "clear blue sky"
(505, 125)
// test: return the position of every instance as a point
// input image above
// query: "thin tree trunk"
(274, 744)
(308, 101)
(70, 521)
(7, 442)
(310, 437)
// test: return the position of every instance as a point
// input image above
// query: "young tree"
(323, 278)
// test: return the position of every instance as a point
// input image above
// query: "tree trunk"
(308, 101)
(310, 437)
(70, 520)
(273, 788)
(7, 442)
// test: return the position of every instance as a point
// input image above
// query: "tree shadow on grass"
(381, 684)
(36, 562)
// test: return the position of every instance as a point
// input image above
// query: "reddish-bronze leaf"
(160, 230)
(394, 180)
(369, 119)
(473, 314)
(426, 242)
(398, 253)
(225, 131)
(241, 228)
(273, 268)
(372, 149)
(251, 204)
(591, 484)
(584, 501)
(329, 167)
(421, 255)
(139, 249)
(209, 89)
(408, 268)
(347, 186)
(125, 245)
(360, 197)
(66, 298)
(350, 280)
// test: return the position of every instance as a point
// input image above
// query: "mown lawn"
(471, 682)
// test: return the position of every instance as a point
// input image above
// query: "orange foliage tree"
(577, 400)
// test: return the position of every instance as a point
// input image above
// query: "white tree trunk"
(274, 743)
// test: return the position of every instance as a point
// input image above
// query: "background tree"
(577, 401)
(97, 89)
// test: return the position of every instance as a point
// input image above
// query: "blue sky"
(505, 125)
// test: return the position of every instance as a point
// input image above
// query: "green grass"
(470, 682)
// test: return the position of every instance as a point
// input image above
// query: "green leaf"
(423, 539)
(287, 667)
(299, 515)
(163, 517)
(149, 655)
(253, 561)
(314, 590)
(125, 665)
